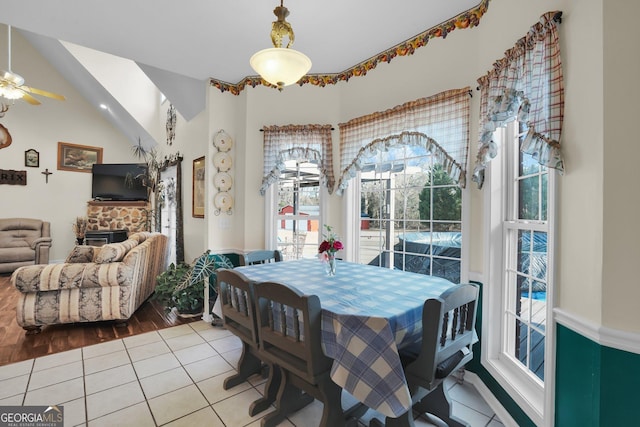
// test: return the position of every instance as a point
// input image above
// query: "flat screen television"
(119, 181)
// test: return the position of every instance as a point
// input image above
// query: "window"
(298, 175)
(406, 205)
(411, 214)
(520, 279)
(526, 228)
(298, 210)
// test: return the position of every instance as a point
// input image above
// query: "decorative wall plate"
(223, 201)
(222, 141)
(222, 181)
(222, 161)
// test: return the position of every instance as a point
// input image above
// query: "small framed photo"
(78, 158)
(197, 207)
(32, 158)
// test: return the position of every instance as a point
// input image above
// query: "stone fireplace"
(118, 215)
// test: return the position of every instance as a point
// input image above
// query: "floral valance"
(527, 85)
(439, 123)
(297, 142)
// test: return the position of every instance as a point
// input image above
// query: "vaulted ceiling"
(181, 45)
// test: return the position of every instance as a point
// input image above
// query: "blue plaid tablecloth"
(368, 313)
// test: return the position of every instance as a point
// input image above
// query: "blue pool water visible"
(540, 296)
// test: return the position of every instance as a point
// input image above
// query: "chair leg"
(248, 365)
(290, 399)
(332, 412)
(270, 392)
(437, 404)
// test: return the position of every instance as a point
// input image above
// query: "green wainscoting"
(476, 367)
(596, 385)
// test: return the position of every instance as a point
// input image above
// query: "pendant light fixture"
(281, 66)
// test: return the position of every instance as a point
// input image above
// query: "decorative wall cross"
(46, 173)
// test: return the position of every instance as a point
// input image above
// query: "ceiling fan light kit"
(12, 85)
(281, 66)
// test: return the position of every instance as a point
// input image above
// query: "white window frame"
(351, 196)
(271, 218)
(534, 398)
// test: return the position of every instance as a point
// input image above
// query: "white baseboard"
(492, 401)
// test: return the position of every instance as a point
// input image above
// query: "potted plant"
(182, 286)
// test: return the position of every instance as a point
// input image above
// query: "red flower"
(324, 246)
(330, 242)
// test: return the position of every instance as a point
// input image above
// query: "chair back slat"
(238, 309)
(447, 336)
(260, 257)
(291, 336)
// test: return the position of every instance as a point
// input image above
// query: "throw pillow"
(80, 254)
(114, 252)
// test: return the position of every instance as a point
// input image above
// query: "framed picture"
(197, 207)
(31, 158)
(77, 158)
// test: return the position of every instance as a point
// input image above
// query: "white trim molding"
(602, 335)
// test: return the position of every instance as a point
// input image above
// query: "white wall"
(597, 234)
(191, 142)
(457, 62)
(621, 201)
(41, 127)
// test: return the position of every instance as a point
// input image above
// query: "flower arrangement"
(330, 244)
(328, 248)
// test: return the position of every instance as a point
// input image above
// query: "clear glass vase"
(330, 266)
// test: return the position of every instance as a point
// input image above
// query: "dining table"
(368, 313)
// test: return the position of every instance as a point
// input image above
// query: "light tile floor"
(171, 377)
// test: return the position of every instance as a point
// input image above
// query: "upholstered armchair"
(23, 241)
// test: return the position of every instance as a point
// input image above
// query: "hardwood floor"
(16, 346)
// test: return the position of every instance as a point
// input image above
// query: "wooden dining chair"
(290, 337)
(260, 257)
(448, 334)
(236, 293)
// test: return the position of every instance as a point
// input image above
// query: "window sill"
(525, 392)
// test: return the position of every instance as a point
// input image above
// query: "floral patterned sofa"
(93, 284)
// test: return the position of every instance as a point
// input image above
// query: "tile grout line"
(84, 388)
(146, 401)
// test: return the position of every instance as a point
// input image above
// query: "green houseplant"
(182, 286)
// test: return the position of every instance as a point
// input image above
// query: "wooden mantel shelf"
(137, 203)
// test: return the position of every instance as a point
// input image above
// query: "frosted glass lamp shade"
(280, 66)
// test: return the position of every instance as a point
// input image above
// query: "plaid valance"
(439, 123)
(526, 85)
(297, 142)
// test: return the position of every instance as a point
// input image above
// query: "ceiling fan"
(12, 85)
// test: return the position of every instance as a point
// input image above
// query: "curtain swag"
(417, 139)
(527, 85)
(297, 142)
(439, 123)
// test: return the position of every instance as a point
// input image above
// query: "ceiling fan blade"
(43, 92)
(30, 99)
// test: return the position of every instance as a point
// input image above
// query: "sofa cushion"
(114, 252)
(81, 254)
(17, 254)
